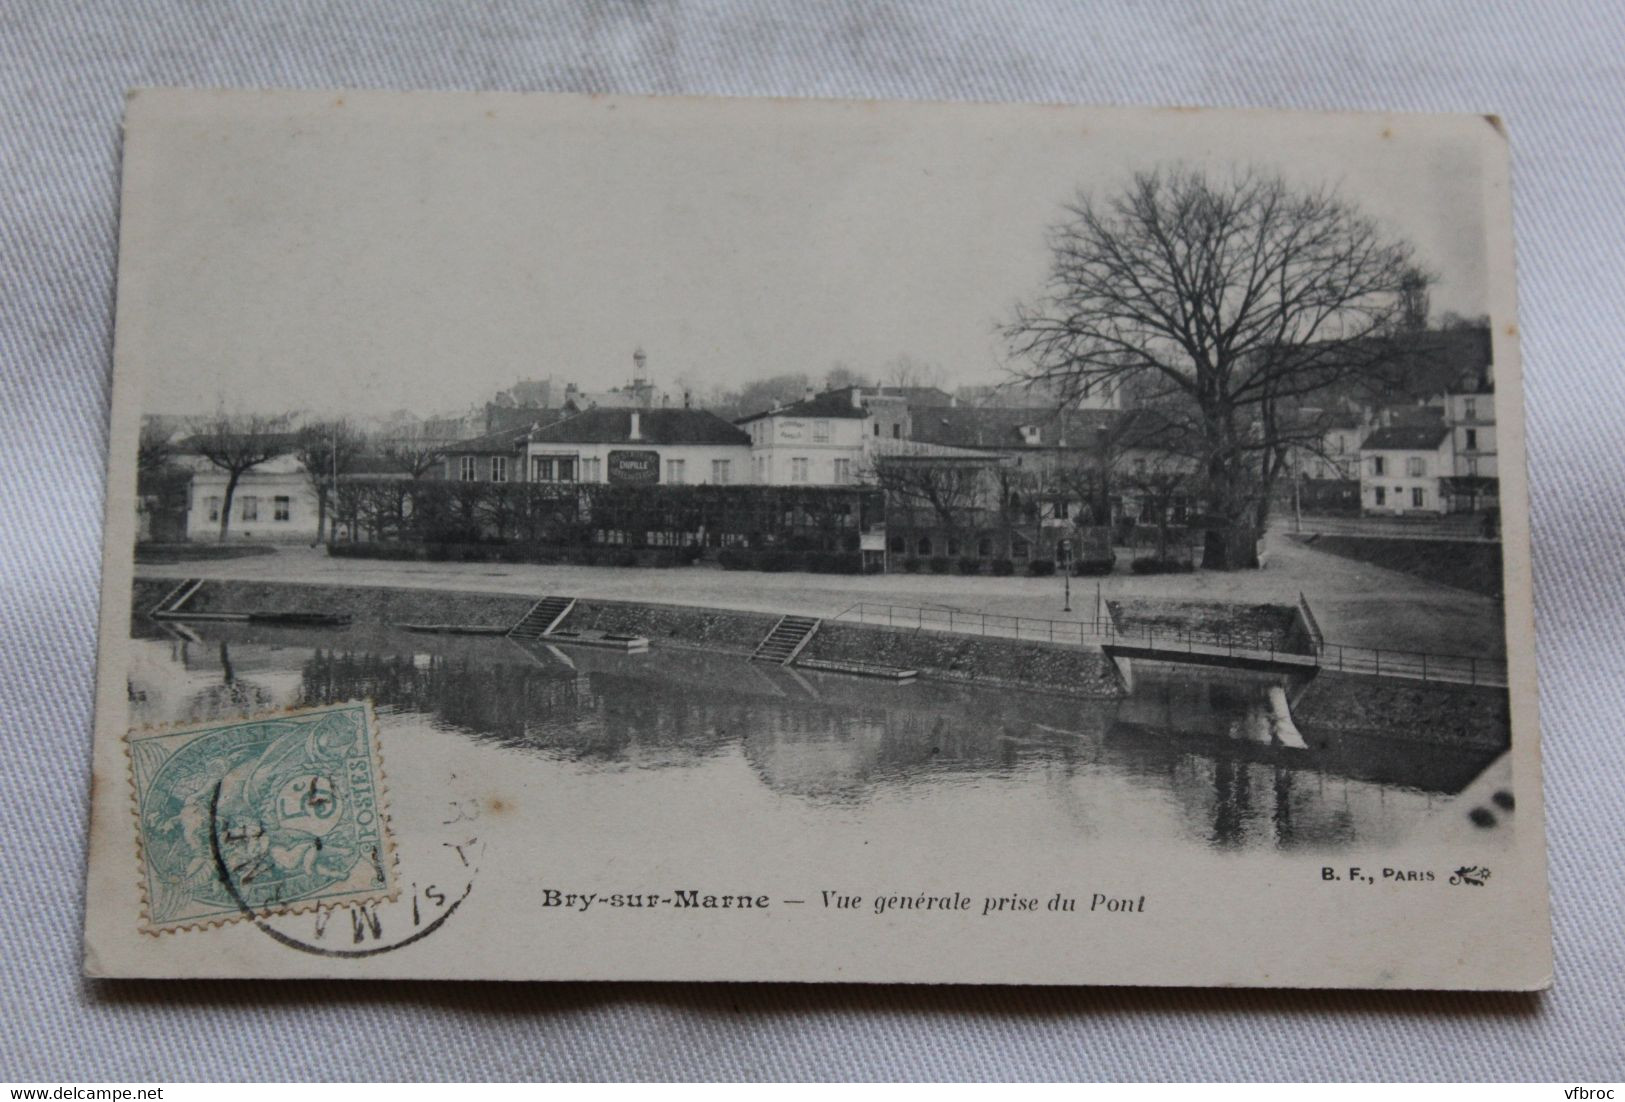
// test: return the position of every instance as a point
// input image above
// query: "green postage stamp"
(269, 815)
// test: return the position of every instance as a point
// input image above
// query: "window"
(1337, 444)
(925, 545)
(1062, 509)
(820, 432)
(1415, 466)
(720, 471)
(897, 432)
(281, 507)
(554, 468)
(798, 470)
(897, 545)
(251, 508)
(675, 471)
(592, 470)
(1472, 440)
(1472, 466)
(214, 508)
(953, 549)
(1418, 497)
(984, 547)
(1469, 409)
(466, 469)
(877, 428)
(1380, 495)
(499, 468)
(1376, 467)
(843, 471)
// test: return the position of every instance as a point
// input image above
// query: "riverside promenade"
(1356, 604)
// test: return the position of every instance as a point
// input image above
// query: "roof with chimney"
(1043, 427)
(655, 426)
(1407, 438)
(492, 443)
(831, 403)
(916, 397)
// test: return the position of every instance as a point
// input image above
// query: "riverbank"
(977, 660)
(1355, 603)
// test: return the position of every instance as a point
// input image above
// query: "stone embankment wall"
(365, 604)
(1418, 711)
(715, 629)
(1076, 671)
(1257, 627)
(970, 659)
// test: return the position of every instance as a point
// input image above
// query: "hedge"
(779, 561)
(1162, 566)
(402, 551)
(1041, 568)
(970, 565)
(1092, 567)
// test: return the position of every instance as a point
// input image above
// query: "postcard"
(606, 537)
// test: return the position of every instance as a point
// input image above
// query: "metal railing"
(1100, 629)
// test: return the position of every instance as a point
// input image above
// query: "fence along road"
(1177, 644)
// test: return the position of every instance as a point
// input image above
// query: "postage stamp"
(267, 815)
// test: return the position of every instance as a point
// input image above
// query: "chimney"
(688, 400)
(857, 398)
(809, 394)
(637, 429)
(640, 364)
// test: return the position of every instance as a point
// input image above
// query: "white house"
(1402, 468)
(672, 447)
(822, 440)
(273, 501)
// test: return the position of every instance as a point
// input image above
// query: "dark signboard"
(635, 467)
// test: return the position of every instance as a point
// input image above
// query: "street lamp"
(1065, 549)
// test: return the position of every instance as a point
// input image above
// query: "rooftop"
(655, 426)
(1409, 438)
(1002, 428)
(831, 403)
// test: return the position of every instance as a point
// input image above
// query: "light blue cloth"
(1553, 72)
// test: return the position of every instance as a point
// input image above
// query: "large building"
(822, 440)
(673, 447)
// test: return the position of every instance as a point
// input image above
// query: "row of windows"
(1419, 496)
(1415, 466)
(249, 505)
(801, 469)
(569, 468)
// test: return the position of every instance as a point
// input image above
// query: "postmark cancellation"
(263, 815)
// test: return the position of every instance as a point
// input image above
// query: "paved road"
(1357, 604)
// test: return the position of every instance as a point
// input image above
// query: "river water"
(1187, 757)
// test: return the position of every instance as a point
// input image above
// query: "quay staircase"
(170, 606)
(786, 640)
(545, 615)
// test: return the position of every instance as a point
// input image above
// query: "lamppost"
(1065, 548)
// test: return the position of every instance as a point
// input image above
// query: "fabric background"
(1554, 73)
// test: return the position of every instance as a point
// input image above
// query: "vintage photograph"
(594, 537)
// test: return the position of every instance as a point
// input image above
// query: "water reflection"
(1182, 756)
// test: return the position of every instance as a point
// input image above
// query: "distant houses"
(1041, 471)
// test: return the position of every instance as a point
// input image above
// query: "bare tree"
(414, 451)
(236, 443)
(156, 448)
(906, 371)
(950, 490)
(328, 451)
(840, 376)
(1234, 296)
